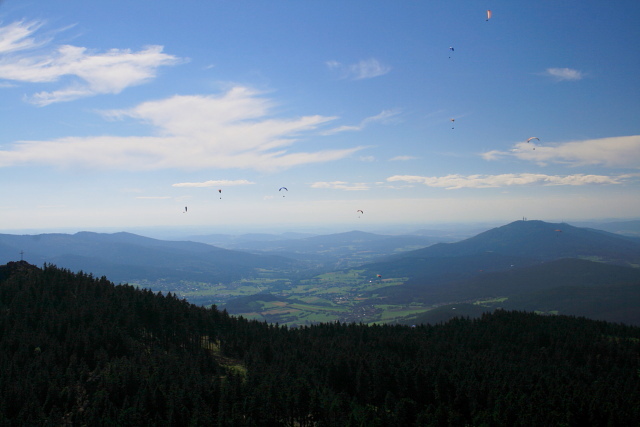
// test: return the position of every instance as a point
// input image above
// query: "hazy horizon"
(466, 229)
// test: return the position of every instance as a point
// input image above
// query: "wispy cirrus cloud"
(214, 183)
(232, 130)
(455, 181)
(92, 72)
(564, 74)
(364, 69)
(341, 185)
(616, 152)
(17, 36)
(385, 117)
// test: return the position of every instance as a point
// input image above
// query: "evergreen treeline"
(77, 350)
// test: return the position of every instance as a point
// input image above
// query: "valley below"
(424, 277)
(372, 279)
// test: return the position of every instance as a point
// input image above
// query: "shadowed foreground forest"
(78, 350)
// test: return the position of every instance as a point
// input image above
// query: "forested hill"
(77, 350)
(539, 240)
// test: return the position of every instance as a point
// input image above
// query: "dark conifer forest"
(79, 350)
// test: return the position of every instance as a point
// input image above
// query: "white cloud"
(214, 183)
(385, 117)
(341, 185)
(93, 73)
(455, 181)
(494, 154)
(402, 158)
(561, 74)
(617, 152)
(231, 130)
(368, 68)
(17, 36)
(364, 69)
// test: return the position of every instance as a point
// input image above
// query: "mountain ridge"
(119, 255)
(537, 239)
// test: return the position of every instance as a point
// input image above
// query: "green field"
(345, 296)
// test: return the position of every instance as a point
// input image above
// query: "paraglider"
(283, 188)
(452, 122)
(533, 137)
(185, 210)
(379, 276)
(360, 212)
(220, 191)
(451, 49)
(488, 15)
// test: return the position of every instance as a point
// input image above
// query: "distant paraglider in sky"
(283, 188)
(452, 122)
(360, 212)
(533, 137)
(185, 210)
(220, 191)
(488, 14)
(451, 49)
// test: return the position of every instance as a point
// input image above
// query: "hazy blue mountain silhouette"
(336, 243)
(126, 256)
(245, 241)
(540, 240)
(337, 250)
(629, 228)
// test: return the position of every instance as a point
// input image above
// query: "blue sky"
(122, 113)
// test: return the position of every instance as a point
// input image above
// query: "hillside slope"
(563, 272)
(566, 286)
(539, 279)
